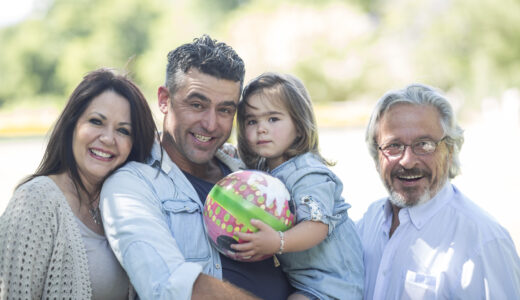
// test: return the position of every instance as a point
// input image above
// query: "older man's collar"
(420, 214)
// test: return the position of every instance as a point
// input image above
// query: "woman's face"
(102, 137)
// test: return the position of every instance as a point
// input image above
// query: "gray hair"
(418, 94)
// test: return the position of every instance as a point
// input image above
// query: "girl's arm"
(267, 241)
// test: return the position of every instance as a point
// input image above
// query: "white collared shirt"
(446, 248)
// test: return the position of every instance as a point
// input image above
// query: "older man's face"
(412, 179)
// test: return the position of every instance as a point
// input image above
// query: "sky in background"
(13, 11)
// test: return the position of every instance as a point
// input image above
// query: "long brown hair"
(58, 156)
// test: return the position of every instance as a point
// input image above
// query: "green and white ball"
(240, 197)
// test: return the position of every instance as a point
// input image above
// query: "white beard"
(399, 201)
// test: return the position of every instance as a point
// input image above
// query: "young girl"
(277, 132)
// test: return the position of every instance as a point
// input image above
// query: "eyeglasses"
(419, 147)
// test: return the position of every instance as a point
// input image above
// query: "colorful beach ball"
(240, 197)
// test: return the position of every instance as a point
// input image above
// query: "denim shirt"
(152, 217)
(333, 268)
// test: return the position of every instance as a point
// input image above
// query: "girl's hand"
(230, 150)
(266, 241)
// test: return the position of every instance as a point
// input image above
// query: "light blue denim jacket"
(334, 268)
(153, 221)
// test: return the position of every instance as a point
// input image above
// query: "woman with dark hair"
(52, 242)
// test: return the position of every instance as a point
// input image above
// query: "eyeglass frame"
(436, 143)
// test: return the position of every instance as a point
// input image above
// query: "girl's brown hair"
(293, 95)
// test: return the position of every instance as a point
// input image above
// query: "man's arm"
(207, 287)
(139, 235)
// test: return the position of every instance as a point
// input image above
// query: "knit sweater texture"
(42, 255)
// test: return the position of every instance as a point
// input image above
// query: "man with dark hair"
(152, 212)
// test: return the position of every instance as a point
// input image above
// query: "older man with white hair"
(426, 240)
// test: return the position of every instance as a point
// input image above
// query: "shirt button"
(217, 266)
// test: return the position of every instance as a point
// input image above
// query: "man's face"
(198, 117)
(412, 179)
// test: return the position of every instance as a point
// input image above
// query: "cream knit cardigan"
(42, 254)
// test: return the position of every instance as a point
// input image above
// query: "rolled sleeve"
(138, 232)
(314, 196)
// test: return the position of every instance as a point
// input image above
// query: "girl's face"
(102, 137)
(269, 129)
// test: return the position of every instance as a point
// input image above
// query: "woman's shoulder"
(39, 191)
(39, 185)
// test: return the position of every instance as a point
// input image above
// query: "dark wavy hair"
(208, 56)
(58, 156)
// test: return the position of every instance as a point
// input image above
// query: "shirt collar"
(387, 209)
(159, 157)
(420, 214)
(167, 164)
(387, 213)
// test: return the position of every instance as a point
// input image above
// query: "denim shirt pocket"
(186, 224)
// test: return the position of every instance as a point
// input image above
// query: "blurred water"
(489, 164)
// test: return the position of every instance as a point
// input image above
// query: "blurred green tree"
(45, 56)
(472, 46)
(341, 49)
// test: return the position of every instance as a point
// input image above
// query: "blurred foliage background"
(345, 51)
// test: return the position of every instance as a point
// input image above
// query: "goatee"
(399, 200)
